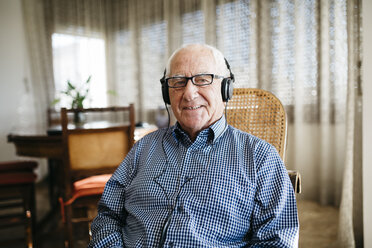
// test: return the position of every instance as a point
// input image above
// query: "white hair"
(219, 58)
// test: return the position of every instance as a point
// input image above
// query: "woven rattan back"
(260, 113)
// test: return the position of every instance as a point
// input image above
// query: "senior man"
(201, 182)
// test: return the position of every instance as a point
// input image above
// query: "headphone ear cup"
(165, 92)
(164, 89)
(226, 89)
(230, 89)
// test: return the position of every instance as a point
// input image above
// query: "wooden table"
(41, 146)
(49, 145)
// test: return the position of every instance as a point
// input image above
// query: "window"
(193, 27)
(284, 46)
(75, 58)
(235, 38)
(124, 59)
(153, 49)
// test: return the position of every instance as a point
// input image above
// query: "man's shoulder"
(250, 141)
(245, 136)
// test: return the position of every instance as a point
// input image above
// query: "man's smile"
(192, 108)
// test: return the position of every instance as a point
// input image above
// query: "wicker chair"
(261, 113)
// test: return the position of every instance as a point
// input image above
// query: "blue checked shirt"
(225, 189)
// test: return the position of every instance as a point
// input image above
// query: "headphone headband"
(232, 77)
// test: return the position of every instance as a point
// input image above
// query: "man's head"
(197, 107)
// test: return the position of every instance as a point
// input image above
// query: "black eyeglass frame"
(192, 80)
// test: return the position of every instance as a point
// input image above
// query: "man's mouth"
(192, 108)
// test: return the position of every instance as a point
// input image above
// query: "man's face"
(195, 107)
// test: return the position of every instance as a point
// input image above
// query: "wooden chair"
(17, 202)
(91, 154)
(54, 117)
(259, 112)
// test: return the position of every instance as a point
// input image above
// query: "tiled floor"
(318, 224)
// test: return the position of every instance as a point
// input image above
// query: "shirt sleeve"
(107, 226)
(274, 220)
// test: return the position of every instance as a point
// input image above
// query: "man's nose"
(190, 91)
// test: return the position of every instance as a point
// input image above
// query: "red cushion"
(89, 186)
(91, 182)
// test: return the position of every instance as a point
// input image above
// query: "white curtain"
(350, 232)
(305, 52)
(32, 113)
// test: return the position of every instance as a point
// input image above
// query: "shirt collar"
(218, 128)
(213, 132)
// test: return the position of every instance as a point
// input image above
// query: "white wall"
(13, 71)
(367, 121)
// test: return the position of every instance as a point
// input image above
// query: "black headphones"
(226, 86)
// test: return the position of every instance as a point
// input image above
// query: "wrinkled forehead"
(192, 61)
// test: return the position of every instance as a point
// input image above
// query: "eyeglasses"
(198, 80)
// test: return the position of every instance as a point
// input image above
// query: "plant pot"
(79, 118)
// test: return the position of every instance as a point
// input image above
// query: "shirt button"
(180, 209)
(171, 244)
(187, 178)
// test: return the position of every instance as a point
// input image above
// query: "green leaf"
(112, 92)
(70, 86)
(80, 102)
(55, 101)
(77, 94)
(74, 104)
(88, 80)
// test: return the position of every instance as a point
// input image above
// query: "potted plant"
(77, 96)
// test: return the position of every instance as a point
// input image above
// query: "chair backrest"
(259, 112)
(17, 202)
(96, 147)
(54, 117)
